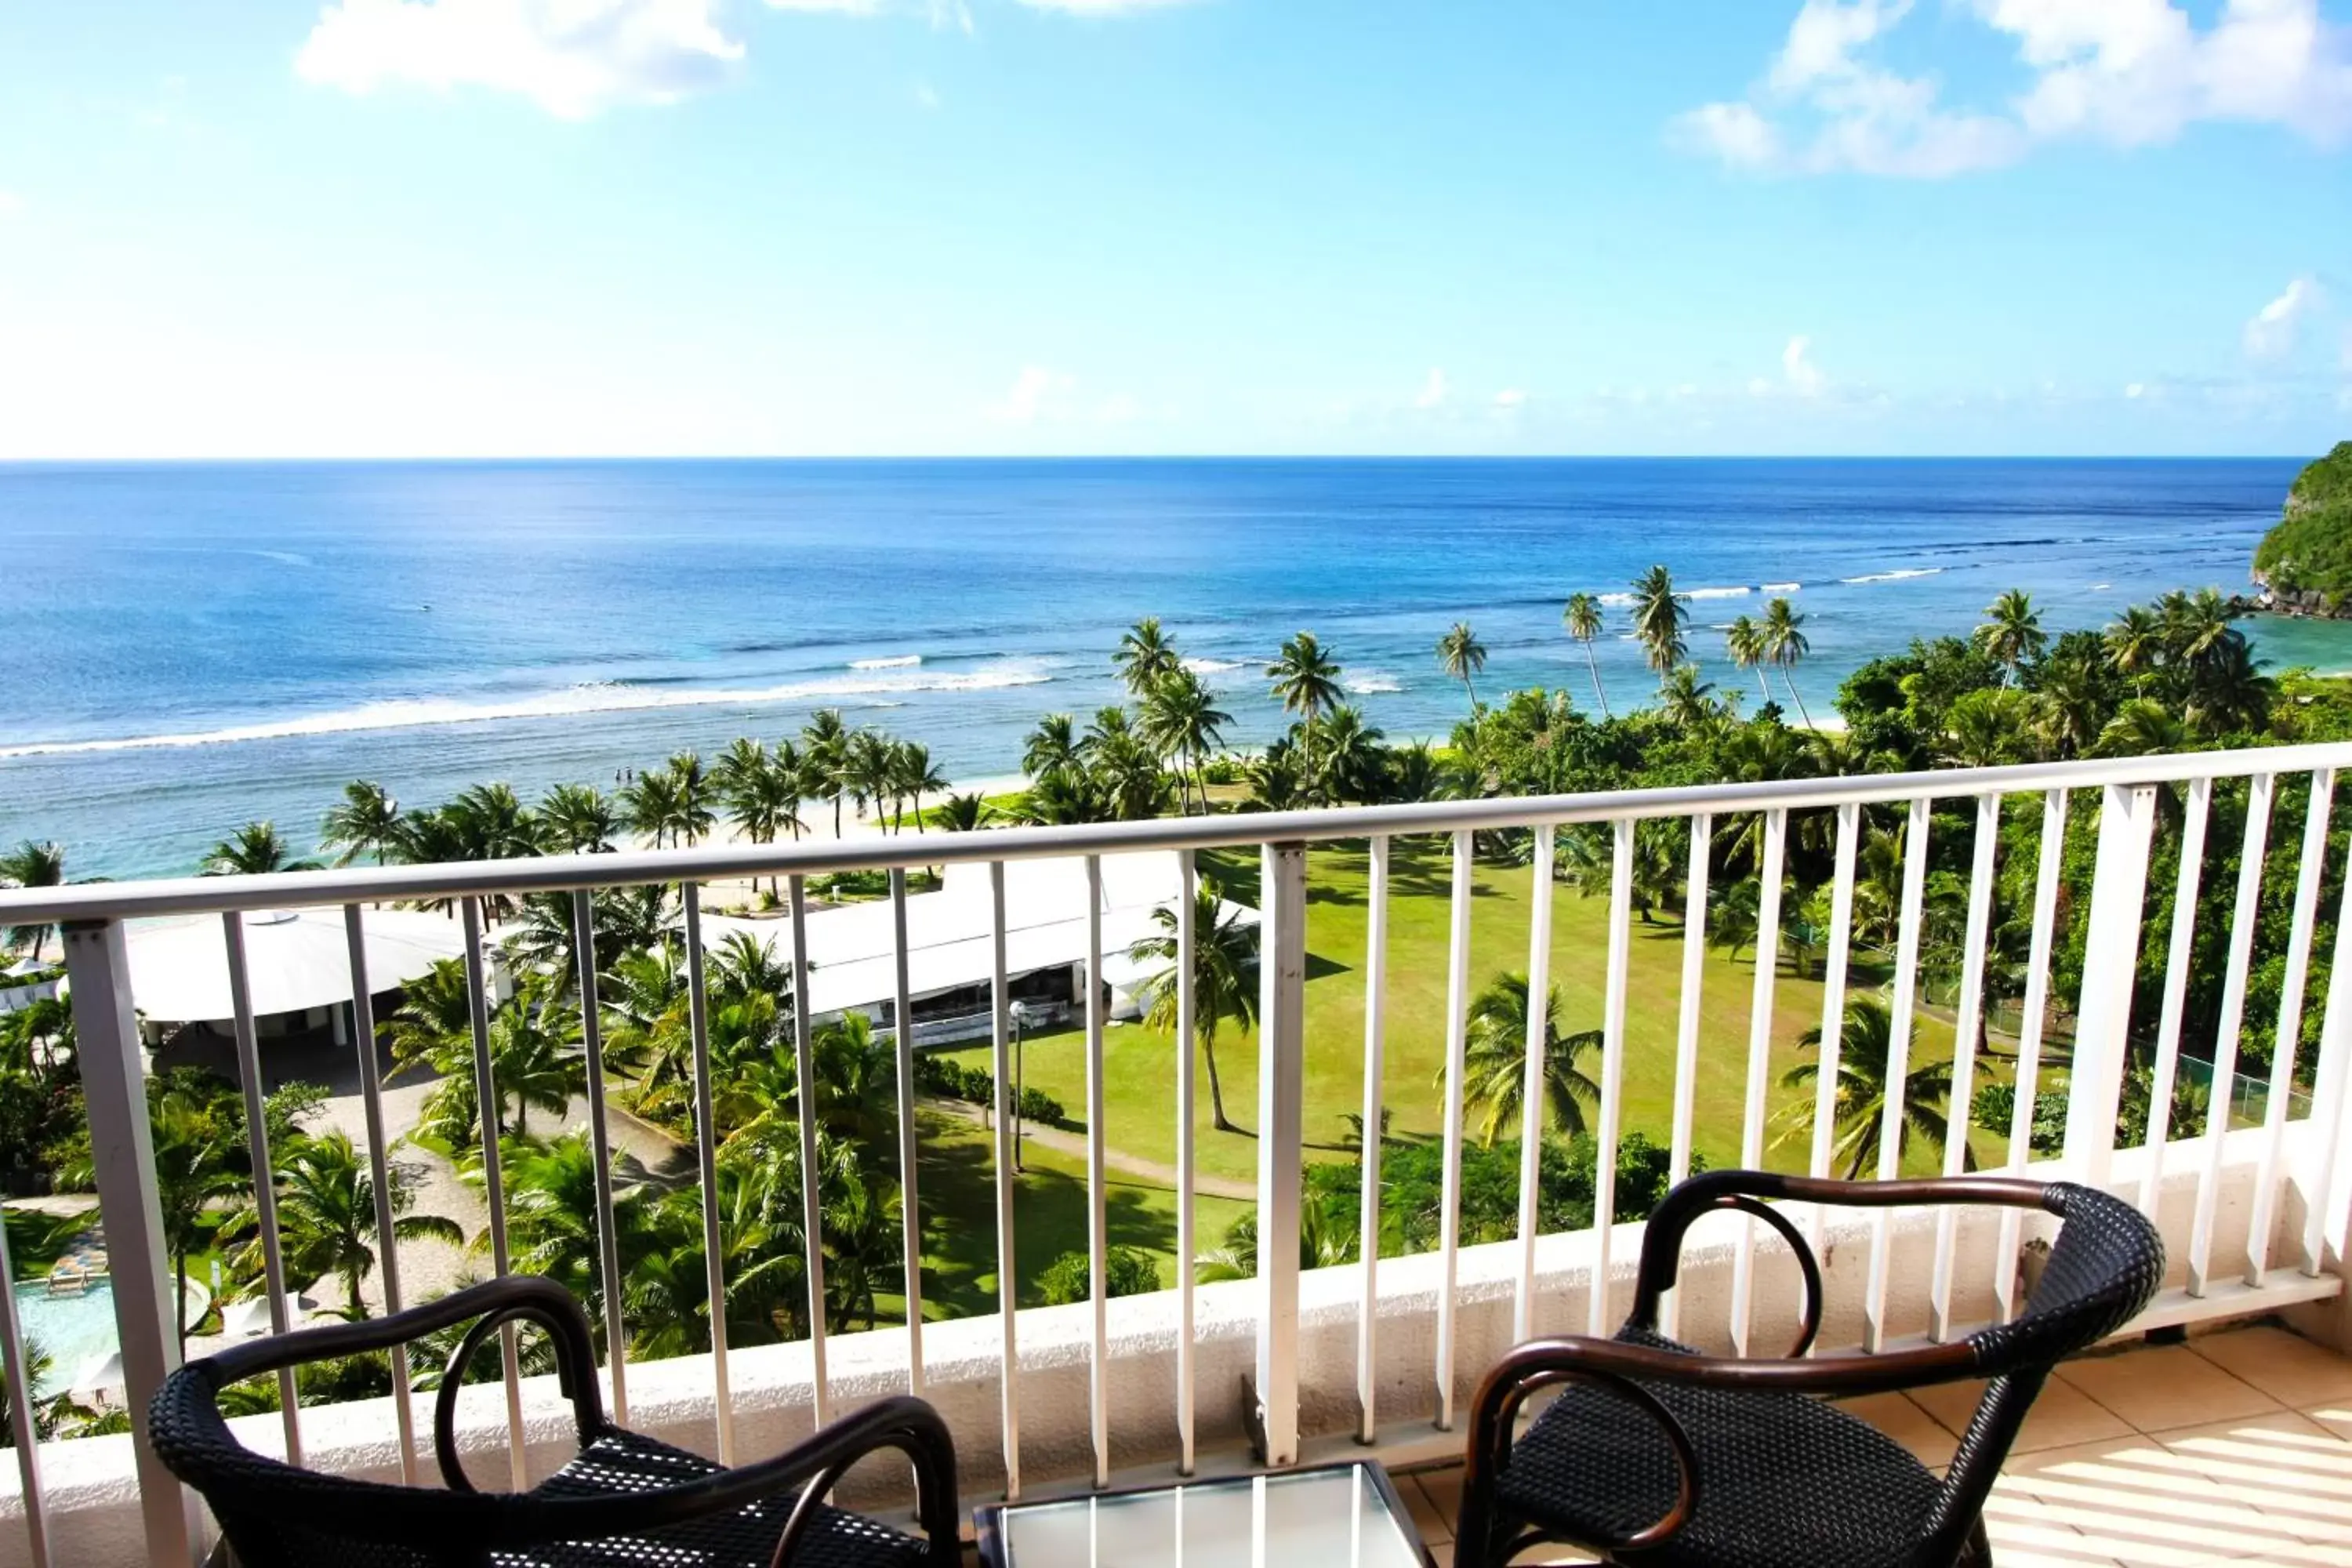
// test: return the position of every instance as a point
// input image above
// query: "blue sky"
(266, 227)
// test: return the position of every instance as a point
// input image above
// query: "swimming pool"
(72, 1331)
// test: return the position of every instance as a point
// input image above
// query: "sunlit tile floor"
(2234, 1447)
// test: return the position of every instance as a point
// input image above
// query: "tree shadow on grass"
(957, 1189)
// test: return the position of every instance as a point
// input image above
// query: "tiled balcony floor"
(2234, 1447)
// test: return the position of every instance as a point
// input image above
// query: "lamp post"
(1020, 1013)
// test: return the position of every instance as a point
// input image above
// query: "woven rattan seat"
(1656, 1454)
(623, 1500)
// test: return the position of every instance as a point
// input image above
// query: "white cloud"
(573, 58)
(1433, 390)
(1509, 397)
(2275, 326)
(1803, 376)
(2136, 389)
(925, 95)
(2128, 72)
(843, 7)
(11, 204)
(1030, 395)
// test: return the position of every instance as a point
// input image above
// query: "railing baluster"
(379, 1173)
(706, 1154)
(265, 1170)
(2289, 1033)
(1097, 1180)
(2110, 963)
(1531, 1085)
(1367, 1199)
(2245, 915)
(1970, 1015)
(1449, 1199)
(1759, 1061)
(1281, 1140)
(812, 1198)
(1898, 1061)
(23, 1431)
(2032, 1017)
(599, 1147)
(910, 1225)
(1678, 1157)
(1613, 1072)
(1834, 983)
(2328, 1085)
(2179, 958)
(487, 1103)
(122, 1153)
(1008, 1291)
(1187, 937)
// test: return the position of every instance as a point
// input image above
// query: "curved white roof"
(295, 959)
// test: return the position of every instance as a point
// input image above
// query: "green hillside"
(2306, 559)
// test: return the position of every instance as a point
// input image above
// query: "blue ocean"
(190, 646)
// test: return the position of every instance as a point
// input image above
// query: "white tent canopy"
(950, 933)
(295, 959)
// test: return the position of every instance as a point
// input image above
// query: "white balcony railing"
(1380, 1350)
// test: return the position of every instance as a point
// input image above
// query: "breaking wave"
(1718, 593)
(591, 697)
(898, 662)
(1782, 587)
(1370, 683)
(1894, 576)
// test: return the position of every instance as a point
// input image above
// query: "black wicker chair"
(621, 1499)
(1657, 1455)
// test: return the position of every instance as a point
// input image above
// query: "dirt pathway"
(1065, 1141)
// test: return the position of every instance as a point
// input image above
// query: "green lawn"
(957, 1195)
(1139, 1061)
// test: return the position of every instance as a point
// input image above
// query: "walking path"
(1063, 1141)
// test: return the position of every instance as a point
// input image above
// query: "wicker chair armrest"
(526, 1296)
(1662, 1240)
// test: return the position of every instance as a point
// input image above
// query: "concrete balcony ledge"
(93, 1494)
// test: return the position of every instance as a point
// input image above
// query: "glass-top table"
(1347, 1516)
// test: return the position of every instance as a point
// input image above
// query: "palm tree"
(256, 849)
(826, 741)
(2011, 634)
(690, 815)
(789, 776)
(2143, 727)
(2135, 642)
(1462, 655)
(367, 822)
(1306, 678)
(743, 761)
(1050, 747)
(962, 813)
(1349, 762)
(1687, 699)
(1786, 646)
(917, 775)
(1859, 1106)
(1225, 979)
(326, 1216)
(1659, 616)
(868, 771)
(1145, 657)
(1743, 639)
(493, 824)
(649, 803)
(32, 864)
(1581, 615)
(2195, 625)
(1495, 1060)
(1179, 716)
(578, 819)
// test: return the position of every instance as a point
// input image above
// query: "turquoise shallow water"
(189, 647)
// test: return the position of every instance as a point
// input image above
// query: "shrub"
(1126, 1273)
(938, 1075)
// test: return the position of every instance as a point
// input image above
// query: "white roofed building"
(951, 949)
